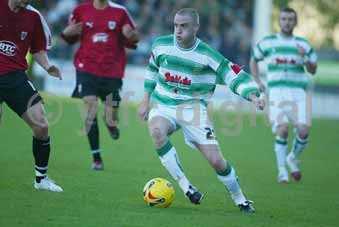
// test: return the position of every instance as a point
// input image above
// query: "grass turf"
(114, 197)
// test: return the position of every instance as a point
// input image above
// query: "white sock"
(298, 146)
(280, 148)
(95, 151)
(231, 183)
(171, 162)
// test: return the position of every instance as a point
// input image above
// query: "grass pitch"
(114, 197)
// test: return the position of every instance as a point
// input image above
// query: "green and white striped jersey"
(180, 76)
(285, 66)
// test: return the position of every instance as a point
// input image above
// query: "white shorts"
(193, 120)
(289, 105)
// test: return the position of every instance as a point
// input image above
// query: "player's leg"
(109, 93)
(279, 121)
(26, 102)
(160, 128)
(92, 130)
(111, 114)
(86, 88)
(226, 174)
(302, 120)
(280, 149)
(35, 118)
(299, 144)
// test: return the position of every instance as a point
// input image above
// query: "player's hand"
(259, 102)
(73, 29)
(54, 71)
(261, 86)
(144, 110)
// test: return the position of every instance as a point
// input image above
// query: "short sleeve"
(41, 37)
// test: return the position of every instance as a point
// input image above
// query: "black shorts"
(90, 85)
(18, 92)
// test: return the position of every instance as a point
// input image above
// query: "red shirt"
(101, 50)
(20, 32)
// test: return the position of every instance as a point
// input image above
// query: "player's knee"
(282, 131)
(303, 133)
(40, 130)
(91, 103)
(158, 136)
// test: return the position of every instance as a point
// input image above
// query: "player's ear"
(196, 28)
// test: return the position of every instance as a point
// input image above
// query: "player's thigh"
(197, 127)
(277, 113)
(302, 113)
(91, 106)
(111, 106)
(109, 92)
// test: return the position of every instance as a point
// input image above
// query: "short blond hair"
(193, 13)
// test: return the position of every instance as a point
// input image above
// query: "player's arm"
(72, 32)
(41, 42)
(131, 34)
(310, 59)
(129, 31)
(241, 83)
(257, 55)
(42, 59)
(149, 86)
(255, 73)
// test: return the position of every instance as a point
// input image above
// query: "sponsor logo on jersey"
(112, 25)
(100, 37)
(89, 24)
(7, 48)
(177, 80)
(23, 35)
(280, 61)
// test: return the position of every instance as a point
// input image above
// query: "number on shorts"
(209, 133)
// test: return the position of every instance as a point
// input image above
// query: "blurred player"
(22, 28)
(182, 74)
(104, 30)
(287, 56)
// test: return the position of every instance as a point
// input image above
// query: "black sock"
(93, 135)
(93, 138)
(96, 156)
(41, 151)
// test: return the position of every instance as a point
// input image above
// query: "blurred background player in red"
(104, 30)
(22, 28)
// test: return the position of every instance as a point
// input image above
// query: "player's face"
(185, 29)
(287, 22)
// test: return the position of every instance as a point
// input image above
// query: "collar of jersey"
(280, 36)
(188, 49)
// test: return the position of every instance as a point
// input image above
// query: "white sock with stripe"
(280, 148)
(169, 159)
